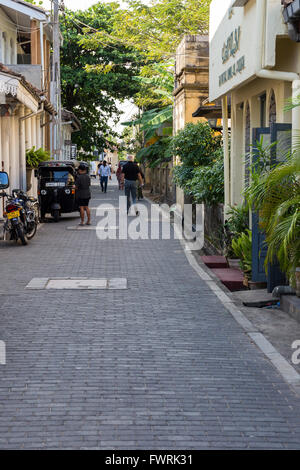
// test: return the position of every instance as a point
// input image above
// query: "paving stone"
(159, 363)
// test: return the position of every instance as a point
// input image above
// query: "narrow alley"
(159, 365)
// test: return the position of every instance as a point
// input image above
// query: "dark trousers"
(103, 182)
(130, 190)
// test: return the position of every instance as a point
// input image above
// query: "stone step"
(215, 261)
(291, 305)
(231, 278)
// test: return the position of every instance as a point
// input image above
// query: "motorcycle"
(21, 216)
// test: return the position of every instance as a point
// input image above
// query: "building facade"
(25, 109)
(27, 115)
(255, 64)
(191, 85)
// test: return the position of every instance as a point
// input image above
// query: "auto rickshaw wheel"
(56, 215)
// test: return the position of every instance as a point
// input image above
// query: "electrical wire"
(116, 48)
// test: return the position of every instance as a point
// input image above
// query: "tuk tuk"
(56, 187)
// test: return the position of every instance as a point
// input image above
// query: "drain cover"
(64, 283)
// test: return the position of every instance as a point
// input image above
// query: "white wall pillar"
(13, 152)
(28, 140)
(5, 142)
(296, 116)
(1, 203)
(237, 162)
(226, 154)
(38, 131)
(0, 145)
(22, 149)
(33, 131)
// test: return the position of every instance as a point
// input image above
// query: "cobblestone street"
(161, 365)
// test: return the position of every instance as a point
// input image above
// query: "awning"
(8, 86)
(12, 86)
(211, 111)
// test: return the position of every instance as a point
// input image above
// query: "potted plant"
(275, 193)
(33, 158)
(242, 248)
(236, 224)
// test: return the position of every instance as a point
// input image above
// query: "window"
(62, 176)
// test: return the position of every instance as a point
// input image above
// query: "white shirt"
(104, 170)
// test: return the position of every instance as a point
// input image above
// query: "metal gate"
(281, 134)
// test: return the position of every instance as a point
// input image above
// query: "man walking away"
(140, 187)
(83, 183)
(131, 173)
(104, 172)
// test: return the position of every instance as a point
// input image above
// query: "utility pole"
(56, 85)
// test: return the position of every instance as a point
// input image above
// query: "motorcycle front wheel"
(31, 233)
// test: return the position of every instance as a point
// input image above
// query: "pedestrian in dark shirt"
(83, 183)
(131, 173)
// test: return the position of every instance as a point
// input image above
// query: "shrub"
(207, 183)
(275, 193)
(242, 248)
(195, 144)
(34, 157)
(236, 224)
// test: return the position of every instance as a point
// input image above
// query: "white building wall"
(243, 86)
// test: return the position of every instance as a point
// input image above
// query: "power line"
(114, 38)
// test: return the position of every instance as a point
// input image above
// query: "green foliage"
(262, 154)
(156, 89)
(242, 248)
(156, 29)
(156, 85)
(34, 157)
(275, 193)
(152, 121)
(236, 224)
(201, 173)
(33, 2)
(195, 144)
(155, 154)
(91, 93)
(238, 219)
(207, 183)
(182, 175)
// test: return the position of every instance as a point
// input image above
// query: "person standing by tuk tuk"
(83, 183)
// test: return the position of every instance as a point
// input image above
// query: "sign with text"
(233, 43)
